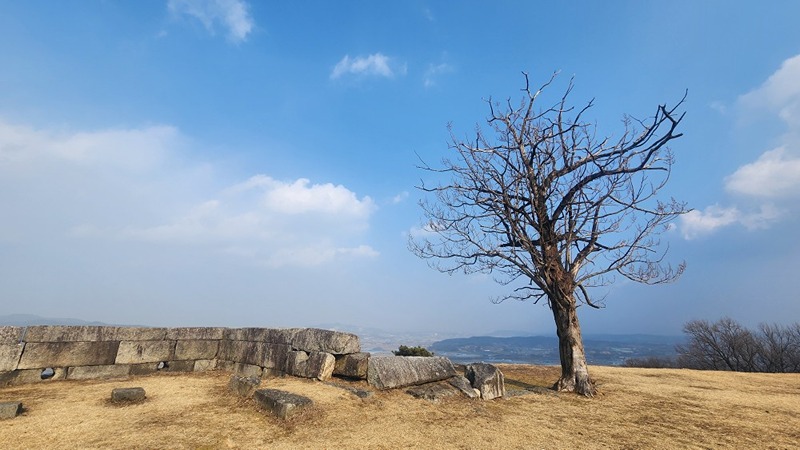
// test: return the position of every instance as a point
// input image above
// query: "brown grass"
(636, 408)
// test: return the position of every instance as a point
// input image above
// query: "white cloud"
(775, 174)
(696, 223)
(376, 64)
(128, 187)
(233, 15)
(400, 198)
(434, 71)
(779, 94)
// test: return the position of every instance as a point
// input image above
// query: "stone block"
(178, 366)
(281, 403)
(275, 356)
(247, 370)
(141, 334)
(9, 410)
(242, 352)
(354, 365)
(487, 379)
(269, 335)
(67, 354)
(461, 383)
(317, 365)
(243, 386)
(434, 391)
(136, 352)
(144, 368)
(36, 375)
(9, 356)
(199, 349)
(195, 333)
(11, 335)
(317, 340)
(94, 372)
(67, 333)
(203, 365)
(128, 395)
(387, 372)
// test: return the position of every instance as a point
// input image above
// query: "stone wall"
(37, 353)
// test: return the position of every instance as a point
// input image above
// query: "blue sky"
(235, 163)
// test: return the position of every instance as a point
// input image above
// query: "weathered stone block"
(354, 365)
(136, 352)
(144, 368)
(35, 375)
(247, 370)
(9, 356)
(243, 386)
(195, 333)
(434, 391)
(93, 372)
(199, 349)
(9, 410)
(387, 372)
(141, 334)
(280, 403)
(488, 379)
(275, 356)
(317, 365)
(202, 365)
(269, 335)
(66, 333)
(241, 352)
(461, 383)
(178, 366)
(128, 395)
(335, 342)
(67, 354)
(10, 335)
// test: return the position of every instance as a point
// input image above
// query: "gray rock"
(9, 356)
(9, 410)
(195, 333)
(434, 391)
(127, 395)
(38, 355)
(203, 365)
(247, 370)
(140, 334)
(137, 352)
(178, 366)
(281, 403)
(354, 365)
(196, 349)
(10, 335)
(94, 372)
(67, 333)
(488, 379)
(387, 372)
(243, 386)
(461, 383)
(317, 365)
(334, 342)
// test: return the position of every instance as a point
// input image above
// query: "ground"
(635, 408)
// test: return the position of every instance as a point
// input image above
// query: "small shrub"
(412, 351)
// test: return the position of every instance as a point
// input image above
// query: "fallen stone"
(94, 372)
(488, 379)
(243, 386)
(387, 372)
(434, 391)
(354, 365)
(317, 365)
(281, 403)
(317, 340)
(9, 410)
(127, 395)
(461, 383)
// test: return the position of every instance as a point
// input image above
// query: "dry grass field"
(636, 408)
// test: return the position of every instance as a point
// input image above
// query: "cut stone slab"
(281, 403)
(195, 333)
(354, 365)
(461, 383)
(10, 335)
(243, 386)
(95, 372)
(38, 355)
(317, 365)
(137, 352)
(9, 410)
(9, 356)
(69, 333)
(387, 372)
(127, 395)
(488, 379)
(140, 334)
(203, 365)
(196, 349)
(334, 342)
(434, 391)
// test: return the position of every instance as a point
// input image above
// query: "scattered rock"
(127, 395)
(9, 410)
(243, 386)
(281, 403)
(387, 372)
(488, 379)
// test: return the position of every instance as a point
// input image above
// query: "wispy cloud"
(128, 187)
(696, 223)
(775, 174)
(376, 64)
(434, 71)
(232, 15)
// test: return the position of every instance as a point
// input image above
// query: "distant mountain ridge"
(25, 320)
(607, 349)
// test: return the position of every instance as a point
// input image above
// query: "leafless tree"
(548, 207)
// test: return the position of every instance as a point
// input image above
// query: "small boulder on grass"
(128, 395)
(9, 410)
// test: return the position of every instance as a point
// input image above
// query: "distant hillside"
(24, 320)
(600, 349)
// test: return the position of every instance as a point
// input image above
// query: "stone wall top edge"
(10, 334)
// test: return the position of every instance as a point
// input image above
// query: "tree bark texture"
(574, 371)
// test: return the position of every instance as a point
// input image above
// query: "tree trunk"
(574, 372)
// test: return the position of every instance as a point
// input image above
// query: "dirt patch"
(636, 408)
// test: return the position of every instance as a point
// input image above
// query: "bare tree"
(544, 204)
